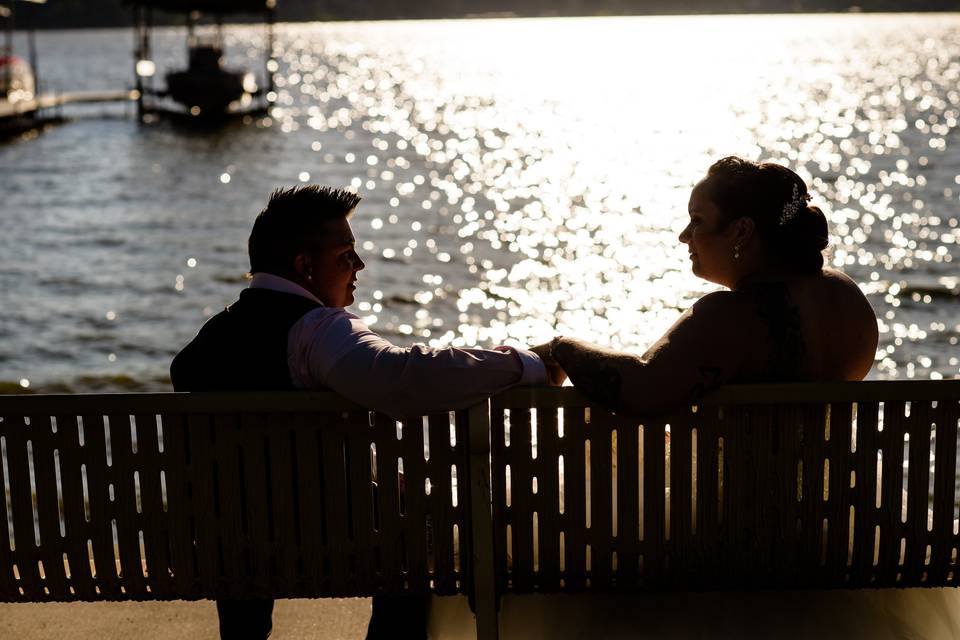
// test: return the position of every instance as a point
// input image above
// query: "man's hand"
(555, 373)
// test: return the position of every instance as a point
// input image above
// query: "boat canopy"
(208, 6)
(6, 9)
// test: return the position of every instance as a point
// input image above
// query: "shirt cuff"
(534, 371)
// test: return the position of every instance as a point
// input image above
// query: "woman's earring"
(736, 252)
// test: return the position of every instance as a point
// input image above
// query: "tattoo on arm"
(787, 347)
(593, 370)
(710, 378)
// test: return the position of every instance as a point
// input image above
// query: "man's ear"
(302, 264)
(744, 229)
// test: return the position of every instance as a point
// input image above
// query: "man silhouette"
(289, 330)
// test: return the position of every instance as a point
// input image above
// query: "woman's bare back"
(838, 325)
(819, 327)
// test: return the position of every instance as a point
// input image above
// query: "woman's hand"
(555, 373)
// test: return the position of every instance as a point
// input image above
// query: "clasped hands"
(555, 373)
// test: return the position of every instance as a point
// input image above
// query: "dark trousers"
(245, 619)
(392, 617)
(399, 617)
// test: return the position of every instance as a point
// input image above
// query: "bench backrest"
(180, 496)
(188, 496)
(840, 485)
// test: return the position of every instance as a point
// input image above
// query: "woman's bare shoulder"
(838, 278)
(722, 301)
(839, 288)
(848, 332)
(731, 312)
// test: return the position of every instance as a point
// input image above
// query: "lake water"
(521, 178)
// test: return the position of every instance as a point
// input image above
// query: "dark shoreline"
(93, 14)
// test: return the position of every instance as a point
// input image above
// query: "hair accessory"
(791, 209)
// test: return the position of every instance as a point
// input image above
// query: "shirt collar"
(277, 283)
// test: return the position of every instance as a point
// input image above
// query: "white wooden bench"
(192, 496)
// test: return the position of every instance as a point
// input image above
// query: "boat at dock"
(16, 79)
(206, 88)
(22, 104)
(18, 84)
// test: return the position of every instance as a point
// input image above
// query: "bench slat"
(48, 511)
(601, 499)
(76, 527)
(770, 534)
(255, 446)
(654, 514)
(849, 482)
(125, 493)
(521, 490)
(8, 586)
(548, 500)
(737, 515)
(102, 511)
(392, 552)
(203, 474)
(311, 503)
(283, 480)
(230, 499)
(782, 489)
(18, 433)
(943, 482)
(335, 489)
(443, 514)
(918, 487)
(413, 524)
(156, 534)
(837, 506)
(894, 428)
(179, 506)
(574, 517)
(628, 508)
(464, 542)
(863, 495)
(708, 516)
(361, 506)
(681, 468)
(502, 516)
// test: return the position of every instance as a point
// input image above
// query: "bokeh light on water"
(521, 178)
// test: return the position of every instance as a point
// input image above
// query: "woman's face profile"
(709, 241)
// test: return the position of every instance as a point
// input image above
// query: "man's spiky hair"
(292, 220)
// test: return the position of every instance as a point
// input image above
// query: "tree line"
(117, 13)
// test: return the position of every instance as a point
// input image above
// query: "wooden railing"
(187, 496)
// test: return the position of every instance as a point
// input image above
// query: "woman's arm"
(595, 371)
(716, 340)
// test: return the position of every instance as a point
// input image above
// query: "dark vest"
(244, 347)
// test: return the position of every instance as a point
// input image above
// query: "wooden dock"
(52, 100)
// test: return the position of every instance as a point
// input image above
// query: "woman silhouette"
(783, 318)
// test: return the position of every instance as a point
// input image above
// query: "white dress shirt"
(332, 348)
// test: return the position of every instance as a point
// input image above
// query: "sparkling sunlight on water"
(521, 178)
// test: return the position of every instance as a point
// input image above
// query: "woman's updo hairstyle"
(794, 232)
